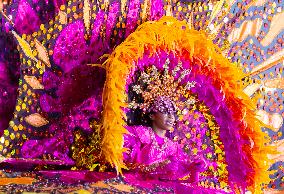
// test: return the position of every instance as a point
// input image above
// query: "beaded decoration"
(160, 91)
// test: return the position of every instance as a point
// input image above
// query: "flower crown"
(162, 91)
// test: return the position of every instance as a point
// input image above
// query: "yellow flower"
(188, 135)
(196, 116)
(204, 146)
(209, 155)
(223, 184)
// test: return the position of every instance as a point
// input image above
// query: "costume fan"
(179, 58)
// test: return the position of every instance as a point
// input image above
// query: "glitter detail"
(160, 90)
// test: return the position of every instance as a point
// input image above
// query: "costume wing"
(233, 127)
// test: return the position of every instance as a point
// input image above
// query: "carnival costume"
(88, 85)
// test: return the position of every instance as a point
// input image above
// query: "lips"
(169, 123)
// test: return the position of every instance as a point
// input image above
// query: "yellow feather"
(25, 46)
(42, 53)
(87, 14)
(216, 9)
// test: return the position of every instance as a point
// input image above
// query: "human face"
(164, 121)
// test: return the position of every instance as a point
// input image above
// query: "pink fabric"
(146, 148)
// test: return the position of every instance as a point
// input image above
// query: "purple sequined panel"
(9, 77)
(29, 14)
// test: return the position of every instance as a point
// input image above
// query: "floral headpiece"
(161, 90)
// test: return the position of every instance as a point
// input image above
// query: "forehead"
(164, 113)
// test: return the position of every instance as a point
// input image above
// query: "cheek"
(163, 120)
(160, 119)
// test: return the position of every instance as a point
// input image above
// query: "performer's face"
(163, 121)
